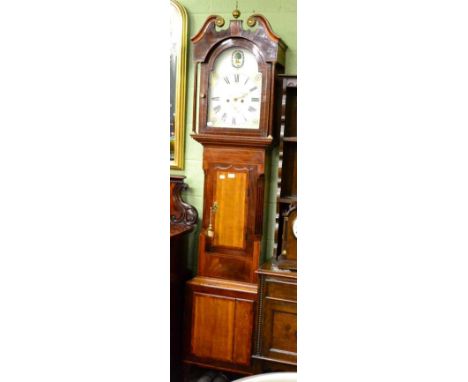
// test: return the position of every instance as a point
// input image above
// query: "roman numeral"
(252, 109)
(247, 80)
(254, 88)
(236, 77)
(217, 109)
(224, 116)
(226, 79)
(215, 98)
(233, 120)
(254, 99)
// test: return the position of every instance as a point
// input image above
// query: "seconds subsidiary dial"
(235, 88)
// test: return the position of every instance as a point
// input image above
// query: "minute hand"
(243, 95)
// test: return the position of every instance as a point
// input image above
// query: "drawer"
(281, 289)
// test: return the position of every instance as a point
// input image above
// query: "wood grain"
(244, 319)
(230, 217)
(220, 332)
(213, 326)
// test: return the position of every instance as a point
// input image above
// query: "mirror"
(178, 39)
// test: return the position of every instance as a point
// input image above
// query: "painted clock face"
(235, 88)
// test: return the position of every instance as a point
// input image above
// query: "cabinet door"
(222, 328)
(279, 331)
(232, 213)
(233, 191)
(280, 336)
(232, 198)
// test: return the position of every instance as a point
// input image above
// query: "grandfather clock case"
(236, 76)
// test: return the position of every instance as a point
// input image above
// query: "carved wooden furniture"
(237, 69)
(276, 335)
(183, 220)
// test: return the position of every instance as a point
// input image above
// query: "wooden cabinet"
(276, 337)
(183, 220)
(222, 317)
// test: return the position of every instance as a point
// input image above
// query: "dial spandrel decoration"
(235, 87)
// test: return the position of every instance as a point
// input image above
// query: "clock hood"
(263, 36)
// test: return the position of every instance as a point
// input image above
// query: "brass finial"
(219, 21)
(236, 12)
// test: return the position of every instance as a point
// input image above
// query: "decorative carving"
(181, 212)
(183, 219)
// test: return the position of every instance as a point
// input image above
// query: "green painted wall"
(282, 17)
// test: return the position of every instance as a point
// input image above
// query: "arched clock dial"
(235, 87)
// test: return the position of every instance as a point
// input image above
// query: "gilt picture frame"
(178, 74)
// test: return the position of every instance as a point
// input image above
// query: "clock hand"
(241, 96)
(246, 94)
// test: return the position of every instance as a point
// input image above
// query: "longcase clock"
(235, 80)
